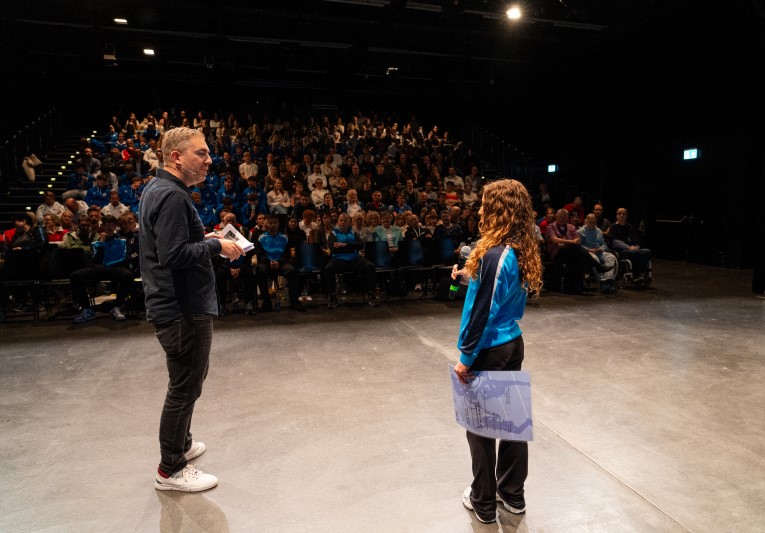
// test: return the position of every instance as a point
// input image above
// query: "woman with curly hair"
(503, 269)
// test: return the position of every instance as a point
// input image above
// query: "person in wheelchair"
(625, 241)
(591, 239)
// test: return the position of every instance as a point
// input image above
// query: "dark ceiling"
(568, 66)
(315, 44)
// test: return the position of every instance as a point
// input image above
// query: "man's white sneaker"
(187, 480)
(117, 314)
(197, 449)
(469, 505)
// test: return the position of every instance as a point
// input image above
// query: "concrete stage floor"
(648, 416)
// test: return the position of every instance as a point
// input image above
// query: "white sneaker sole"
(469, 506)
(183, 488)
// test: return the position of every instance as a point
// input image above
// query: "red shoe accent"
(162, 473)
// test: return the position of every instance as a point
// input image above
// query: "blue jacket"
(129, 196)
(206, 214)
(347, 237)
(98, 195)
(495, 301)
(75, 182)
(272, 247)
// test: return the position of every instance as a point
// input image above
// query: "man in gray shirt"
(179, 287)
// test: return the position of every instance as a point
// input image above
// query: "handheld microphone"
(455, 285)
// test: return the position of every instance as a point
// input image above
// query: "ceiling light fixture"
(120, 21)
(513, 13)
(148, 51)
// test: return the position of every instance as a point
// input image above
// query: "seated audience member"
(111, 179)
(129, 231)
(258, 229)
(344, 245)
(547, 220)
(278, 199)
(303, 204)
(205, 212)
(448, 230)
(591, 239)
(416, 232)
(340, 193)
(114, 208)
(113, 162)
(295, 235)
(92, 165)
(401, 206)
(563, 247)
(255, 187)
(248, 168)
(376, 203)
(130, 195)
(110, 262)
(99, 193)
(49, 206)
(67, 221)
(317, 174)
(450, 194)
(238, 271)
(385, 232)
(275, 259)
(308, 224)
(129, 173)
(209, 197)
(82, 237)
(318, 192)
(321, 235)
(94, 215)
(578, 206)
(53, 230)
(574, 220)
(230, 192)
(625, 241)
(366, 224)
(602, 222)
(250, 211)
(26, 233)
(79, 183)
(471, 233)
(452, 177)
(351, 206)
(469, 197)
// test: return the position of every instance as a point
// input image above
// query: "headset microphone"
(184, 169)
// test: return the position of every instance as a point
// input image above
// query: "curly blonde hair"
(507, 219)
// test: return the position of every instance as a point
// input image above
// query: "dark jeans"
(187, 344)
(89, 276)
(294, 287)
(359, 265)
(503, 472)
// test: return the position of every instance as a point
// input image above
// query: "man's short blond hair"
(178, 139)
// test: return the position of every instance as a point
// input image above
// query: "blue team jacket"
(494, 302)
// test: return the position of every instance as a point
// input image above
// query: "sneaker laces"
(192, 472)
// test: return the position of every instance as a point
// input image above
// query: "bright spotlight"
(514, 13)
